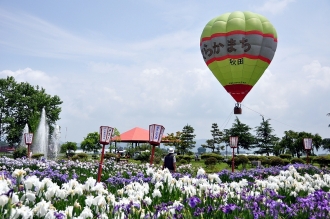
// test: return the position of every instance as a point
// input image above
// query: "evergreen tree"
(213, 143)
(265, 140)
(245, 138)
(186, 139)
(201, 150)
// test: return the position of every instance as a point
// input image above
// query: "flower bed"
(67, 189)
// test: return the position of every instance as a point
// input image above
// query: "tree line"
(264, 141)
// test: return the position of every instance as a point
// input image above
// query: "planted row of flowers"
(66, 189)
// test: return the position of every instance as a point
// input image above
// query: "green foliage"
(183, 162)
(265, 161)
(144, 157)
(213, 143)
(297, 160)
(186, 139)
(293, 142)
(218, 157)
(211, 161)
(157, 160)
(265, 140)
(253, 157)
(187, 158)
(173, 140)
(286, 156)
(37, 156)
(276, 161)
(323, 161)
(20, 152)
(21, 104)
(243, 159)
(109, 155)
(72, 146)
(80, 157)
(286, 161)
(201, 150)
(91, 142)
(245, 138)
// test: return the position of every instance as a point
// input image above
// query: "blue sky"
(133, 63)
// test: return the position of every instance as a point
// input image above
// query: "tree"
(91, 142)
(186, 139)
(242, 131)
(68, 146)
(173, 140)
(264, 139)
(21, 104)
(209, 144)
(116, 135)
(326, 144)
(213, 143)
(293, 142)
(201, 150)
(328, 114)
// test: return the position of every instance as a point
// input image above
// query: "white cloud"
(274, 6)
(34, 77)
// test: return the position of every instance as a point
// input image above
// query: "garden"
(38, 188)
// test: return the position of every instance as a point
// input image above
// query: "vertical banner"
(28, 138)
(308, 143)
(233, 142)
(105, 134)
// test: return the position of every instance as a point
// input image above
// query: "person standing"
(118, 157)
(170, 161)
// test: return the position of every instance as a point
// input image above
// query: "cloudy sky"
(133, 63)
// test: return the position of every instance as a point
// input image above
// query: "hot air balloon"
(238, 47)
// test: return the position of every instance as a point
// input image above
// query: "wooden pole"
(100, 165)
(152, 154)
(233, 162)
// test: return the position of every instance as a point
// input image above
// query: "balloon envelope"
(238, 47)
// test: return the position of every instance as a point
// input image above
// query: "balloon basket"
(237, 110)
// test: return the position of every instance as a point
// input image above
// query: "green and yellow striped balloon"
(238, 47)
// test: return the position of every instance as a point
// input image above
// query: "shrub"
(286, 156)
(216, 156)
(286, 161)
(276, 161)
(20, 152)
(187, 158)
(37, 156)
(297, 160)
(80, 156)
(242, 159)
(178, 158)
(265, 161)
(211, 161)
(253, 157)
(183, 162)
(229, 162)
(157, 160)
(144, 157)
(323, 161)
(109, 155)
(310, 159)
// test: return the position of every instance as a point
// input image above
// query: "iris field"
(68, 189)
